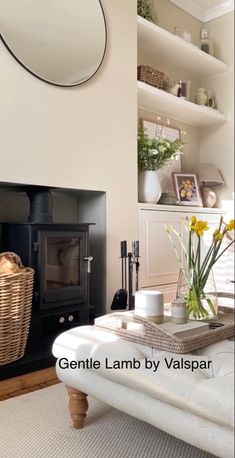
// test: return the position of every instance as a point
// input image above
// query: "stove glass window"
(62, 262)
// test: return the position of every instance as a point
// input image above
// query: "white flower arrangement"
(153, 154)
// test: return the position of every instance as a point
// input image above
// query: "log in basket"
(16, 291)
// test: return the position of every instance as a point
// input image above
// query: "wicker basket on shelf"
(16, 291)
(150, 75)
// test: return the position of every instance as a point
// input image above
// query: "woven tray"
(150, 75)
(140, 330)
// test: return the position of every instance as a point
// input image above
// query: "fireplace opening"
(58, 244)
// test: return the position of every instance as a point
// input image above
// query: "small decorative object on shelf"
(147, 10)
(186, 36)
(178, 32)
(167, 83)
(153, 154)
(168, 198)
(180, 89)
(150, 75)
(206, 43)
(208, 176)
(179, 311)
(174, 89)
(187, 189)
(210, 100)
(196, 265)
(201, 96)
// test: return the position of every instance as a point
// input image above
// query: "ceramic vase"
(149, 187)
(201, 96)
(208, 197)
(210, 100)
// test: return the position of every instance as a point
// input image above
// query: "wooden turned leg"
(78, 406)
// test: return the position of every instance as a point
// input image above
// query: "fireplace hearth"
(60, 255)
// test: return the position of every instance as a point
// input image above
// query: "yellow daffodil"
(192, 222)
(219, 236)
(200, 227)
(197, 269)
(231, 225)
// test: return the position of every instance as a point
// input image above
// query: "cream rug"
(37, 425)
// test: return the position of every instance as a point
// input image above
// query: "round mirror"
(60, 41)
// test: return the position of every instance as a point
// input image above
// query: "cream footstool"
(188, 396)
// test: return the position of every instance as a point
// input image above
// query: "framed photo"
(153, 130)
(187, 189)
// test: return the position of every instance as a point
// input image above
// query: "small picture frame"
(187, 189)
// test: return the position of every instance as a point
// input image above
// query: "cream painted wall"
(83, 137)
(171, 16)
(217, 144)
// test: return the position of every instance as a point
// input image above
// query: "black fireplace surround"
(59, 254)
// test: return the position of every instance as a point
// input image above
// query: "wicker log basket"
(16, 289)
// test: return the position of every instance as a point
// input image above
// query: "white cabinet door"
(159, 265)
(158, 262)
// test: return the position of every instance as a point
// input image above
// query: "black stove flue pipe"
(40, 204)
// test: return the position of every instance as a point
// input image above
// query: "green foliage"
(146, 9)
(153, 154)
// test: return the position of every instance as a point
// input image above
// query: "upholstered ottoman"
(188, 396)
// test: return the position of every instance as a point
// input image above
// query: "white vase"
(201, 96)
(149, 187)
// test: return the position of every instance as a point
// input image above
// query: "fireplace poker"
(123, 258)
(130, 282)
(120, 297)
(136, 252)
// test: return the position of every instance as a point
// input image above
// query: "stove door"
(63, 271)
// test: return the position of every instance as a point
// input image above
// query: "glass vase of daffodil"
(196, 264)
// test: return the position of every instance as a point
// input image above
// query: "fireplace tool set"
(130, 265)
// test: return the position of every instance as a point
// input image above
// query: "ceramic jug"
(201, 96)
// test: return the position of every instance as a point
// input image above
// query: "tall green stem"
(190, 250)
(216, 259)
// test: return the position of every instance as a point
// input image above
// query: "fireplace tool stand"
(124, 298)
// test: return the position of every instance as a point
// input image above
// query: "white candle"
(149, 304)
(179, 311)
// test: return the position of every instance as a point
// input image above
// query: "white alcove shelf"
(176, 52)
(161, 102)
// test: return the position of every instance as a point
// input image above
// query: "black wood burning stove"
(59, 254)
